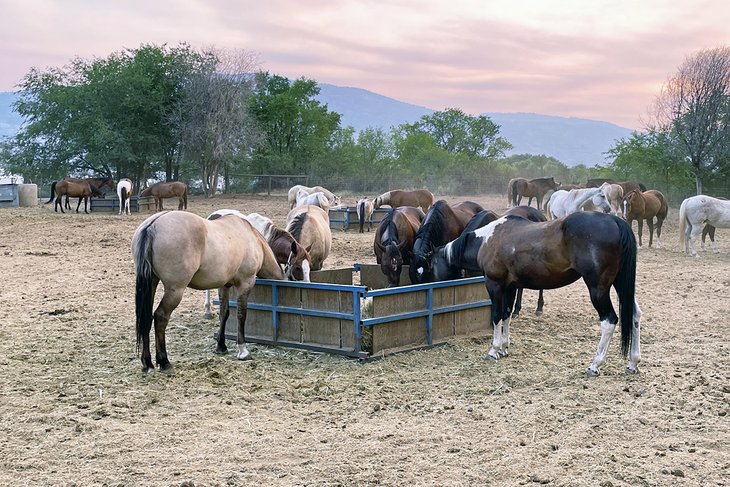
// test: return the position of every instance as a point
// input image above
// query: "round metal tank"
(28, 194)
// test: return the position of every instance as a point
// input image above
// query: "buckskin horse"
(421, 198)
(364, 209)
(310, 226)
(695, 211)
(532, 188)
(393, 243)
(182, 250)
(647, 205)
(514, 253)
(168, 189)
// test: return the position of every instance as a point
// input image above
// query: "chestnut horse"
(513, 252)
(695, 211)
(310, 226)
(421, 198)
(168, 189)
(364, 209)
(441, 224)
(183, 250)
(533, 188)
(287, 250)
(646, 205)
(394, 237)
(78, 190)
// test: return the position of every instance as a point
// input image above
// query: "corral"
(77, 411)
(345, 218)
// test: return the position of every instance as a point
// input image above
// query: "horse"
(318, 199)
(286, 249)
(394, 237)
(646, 205)
(626, 185)
(334, 200)
(562, 203)
(184, 250)
(514, 253)
(695, 211)
(364, 209)
(510, 195)
(533, 188)
(710, 230)
(440, 225)
(124, 192)
(614, 193)
(81, 190)
(443, 269)
(95, 185)
(421, 198)
(310, 226)
(168, 189)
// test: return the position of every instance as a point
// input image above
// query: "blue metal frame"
(359, 293)
(352, 211)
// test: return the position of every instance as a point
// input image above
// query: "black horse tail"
(361, 214)
(513, 189)
(642, 187)
(625, 284)
(53, 190)
(144, 291)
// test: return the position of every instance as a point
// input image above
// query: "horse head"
(442, 270)
(392, 264)
(420, 269)
(600, 201)
(378, 201)
(629, 201)
(298, 266)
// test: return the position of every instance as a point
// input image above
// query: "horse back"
(655, 203)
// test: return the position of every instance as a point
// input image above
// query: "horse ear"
(294, 247)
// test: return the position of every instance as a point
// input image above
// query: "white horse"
(334, 200)
(562, 203)
(317, 199)
(364, 211)
(694, 212)
(124, 191)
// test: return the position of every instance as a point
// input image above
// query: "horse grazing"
(318, 199)
(334, 200)
(646, 205)
(393, 243)
(533, 188)
(695, 211)
(445, 267)
(124, 192)
(286, 249)
(95, 185)
(562, 203)
(421, 198)
(364, 209)
(182, 250)
(310, 226)
(514, 253)
(440, 225)
(168, 189)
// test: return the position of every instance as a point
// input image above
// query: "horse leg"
(500, 312)
(180, 204)
(692, 231)
(244, 290)
(640, 224)
(170, 300)
(540, 303)
(206, 305)
(518, 303)
(635, 353)
(650, 225)
(601, 299)
(659, 224)
(223, 314)
(58, 204)
(78, 205)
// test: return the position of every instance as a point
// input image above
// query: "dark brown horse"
(646, 205)
(421, 198)
(514, 253)
(440, 225)
(533, 188)
(95, 185)
(184, 250)
(168, 189)
(394, 237)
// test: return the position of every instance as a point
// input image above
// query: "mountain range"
(570, 140)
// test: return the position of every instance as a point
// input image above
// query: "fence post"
(268, 193)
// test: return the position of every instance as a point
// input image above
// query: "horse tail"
(185, 197)
(625, 284)
(53, 190)
(683, 225)
(513, 189)
(144, 291)
(361, 214)
(509, 193)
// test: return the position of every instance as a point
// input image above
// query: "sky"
(595, 59)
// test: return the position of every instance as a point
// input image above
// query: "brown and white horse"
(124, 192)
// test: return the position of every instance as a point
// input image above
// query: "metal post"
(274, 313)
(269, 192)
(429, 318)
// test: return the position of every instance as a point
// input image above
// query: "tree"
(649, 157)
(694, 106)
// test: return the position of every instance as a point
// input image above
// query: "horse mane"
(389, 225)
(296, 225)
(277, 233)
(433, 224)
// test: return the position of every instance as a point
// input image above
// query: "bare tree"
(694, 106)
(214, 123)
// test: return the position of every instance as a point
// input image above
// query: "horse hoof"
(592, 372)
(148, 370)
(538, 312)
(631, 370)
(244, 355)
(208, 316)
(221, 350)
(166, 369)
(491, 358)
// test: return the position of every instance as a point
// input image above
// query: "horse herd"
(519, 249)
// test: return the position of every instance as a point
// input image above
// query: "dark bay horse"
(533, 188)
(394, 237)
(168, 189)
(647, 205)
(183, 250)
(421, 198)
(445, 269)
(441, 224)
(78, 190)
(514, 253)
(310, 226)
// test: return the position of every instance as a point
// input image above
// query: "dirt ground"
(76, 410)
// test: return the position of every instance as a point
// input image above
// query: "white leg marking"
(206, 305)
(493, 353)
(504, 352)
(635, 353)
(243, 353)
(606, 332)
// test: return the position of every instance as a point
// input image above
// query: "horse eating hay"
(514, 253)
(183, 250)
(393, 243)
(421, 198)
